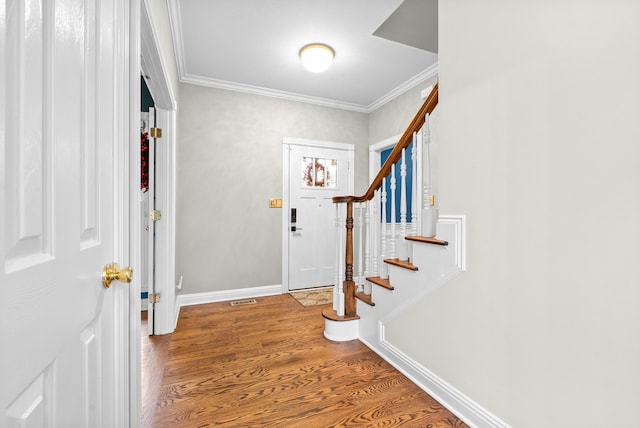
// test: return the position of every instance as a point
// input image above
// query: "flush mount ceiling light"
(316, 57)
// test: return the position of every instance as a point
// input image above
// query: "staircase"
(398, 256)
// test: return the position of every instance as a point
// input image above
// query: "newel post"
(348, 285)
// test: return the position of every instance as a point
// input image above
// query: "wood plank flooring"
(268, 365)
(154, 352)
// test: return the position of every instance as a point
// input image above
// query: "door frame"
(287, 142)
(143, 40)
(375, 151)
(152, 64)
(129, 200)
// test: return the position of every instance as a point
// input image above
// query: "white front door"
(318, 171)
(62, 103)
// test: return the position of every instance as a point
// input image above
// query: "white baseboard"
(462, 406)
(224, 295)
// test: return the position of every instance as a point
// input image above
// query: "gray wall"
(229, 165)
(540, 149)
(393, 117)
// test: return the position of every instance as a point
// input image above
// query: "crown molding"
(404, 87)
(178, 44)
(274, 93)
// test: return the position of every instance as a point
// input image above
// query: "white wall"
(229, 165)
(539, 146)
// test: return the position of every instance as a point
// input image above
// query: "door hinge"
(155, 132)
(154, 297)
(155, 215)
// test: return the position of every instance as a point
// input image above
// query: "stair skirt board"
(438, 265)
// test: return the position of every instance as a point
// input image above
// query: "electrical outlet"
(275, 202)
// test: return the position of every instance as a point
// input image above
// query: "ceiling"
(252, 46)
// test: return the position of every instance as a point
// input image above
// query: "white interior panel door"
(316, 175)
(61, 331)
(149, 243)
(143, 272)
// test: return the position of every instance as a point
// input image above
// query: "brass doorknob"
(113, 272)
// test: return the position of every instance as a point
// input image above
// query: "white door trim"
(287, 142)
(152, 65)
(374, 154)
(375, 151)
(152, 62)
(143, 41)
(128, 189)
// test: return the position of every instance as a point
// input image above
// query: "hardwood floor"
(154, 350)
(268, 365)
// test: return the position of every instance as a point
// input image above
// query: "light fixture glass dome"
(316, 57)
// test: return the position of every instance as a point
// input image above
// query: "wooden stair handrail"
(349, 286)
(405, 140)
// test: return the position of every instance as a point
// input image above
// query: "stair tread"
(401, 263)
(381, 282)
(366, 298)
(427, 240)
(332, 315)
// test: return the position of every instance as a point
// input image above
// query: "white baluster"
(367, 249)
(382, 266)
(360, 279)
(375, 221)
(392, 243)
(403, 250)
(339, 292)
(429, 213)
(415, 189)
(336, 287)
